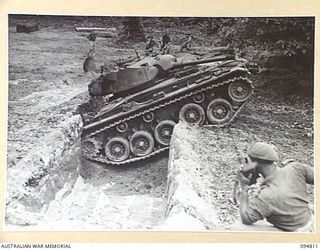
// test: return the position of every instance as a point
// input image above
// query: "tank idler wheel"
(90, 146)
(219, 111)
(240, 91)
(122, 127)
(192, 113)
(198, 98)
(117, 149)
(163, 132)
(141, 143)
(148, 117)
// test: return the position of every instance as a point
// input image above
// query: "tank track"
(104, 160)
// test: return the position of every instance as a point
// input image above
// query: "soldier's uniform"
(187, 44)
(283, 198)
(165, 47)
(149, 46)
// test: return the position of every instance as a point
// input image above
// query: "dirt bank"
(46, 85)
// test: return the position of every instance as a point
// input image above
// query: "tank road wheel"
(219, 111)
(90, 147)
(122, 127)
(141, 143)
(198, 98)
(240, 91)
(148, 117)
(117, 149)
(192, 113)
(163, 132)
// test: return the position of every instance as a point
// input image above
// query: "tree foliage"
(279, 42)
(288, 37)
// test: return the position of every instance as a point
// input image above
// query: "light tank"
(133, 110)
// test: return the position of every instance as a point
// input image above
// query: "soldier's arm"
(305, 170)
(244, 201)
(243, 207)
(155, 43)
(255, 209)
(309, 174)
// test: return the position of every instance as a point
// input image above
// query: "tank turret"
(142, 74)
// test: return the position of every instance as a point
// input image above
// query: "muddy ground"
(46, 83)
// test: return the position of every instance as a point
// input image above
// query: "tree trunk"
(133, 30)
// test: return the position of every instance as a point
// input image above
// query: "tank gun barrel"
(209, 60)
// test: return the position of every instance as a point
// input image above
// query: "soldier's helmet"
(263, 151)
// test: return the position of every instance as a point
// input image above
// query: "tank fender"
(240, 69)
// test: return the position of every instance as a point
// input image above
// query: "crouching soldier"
(283, 198)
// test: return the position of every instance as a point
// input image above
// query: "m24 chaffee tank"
(132, 111)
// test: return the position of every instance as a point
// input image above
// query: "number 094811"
(308, 246)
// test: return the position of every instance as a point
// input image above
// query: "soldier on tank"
(187, 43)
(92, 38)
(89, 64)
(164, 44)
(150, 45)
(283, 198)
